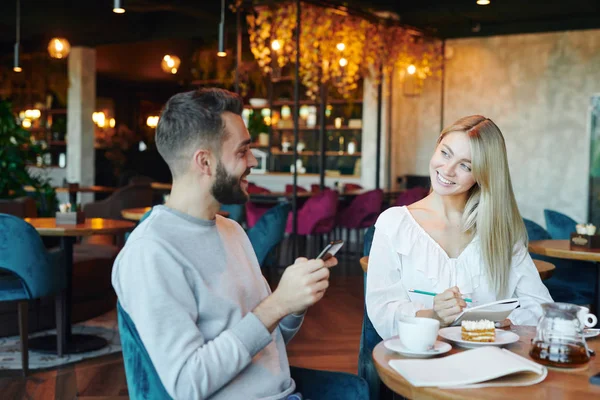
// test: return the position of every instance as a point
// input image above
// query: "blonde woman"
(465, 239)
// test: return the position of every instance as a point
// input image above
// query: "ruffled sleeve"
(529, 289)
(386, 297)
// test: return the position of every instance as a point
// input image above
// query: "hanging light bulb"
(59, 48)
(483, 2)
(276, 45)
(16, 65)
(411, 69)
(152, 121)
(343, 62)
(170, 64)
(118, 7)
(222, 52)
(340, 46)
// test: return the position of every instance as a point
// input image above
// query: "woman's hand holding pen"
(448, 305)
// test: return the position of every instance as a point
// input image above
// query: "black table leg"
(70, 343)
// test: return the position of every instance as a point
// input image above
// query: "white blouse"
(404, 256)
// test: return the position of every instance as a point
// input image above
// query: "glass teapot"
(559, 340)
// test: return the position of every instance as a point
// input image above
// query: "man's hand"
(302, 284)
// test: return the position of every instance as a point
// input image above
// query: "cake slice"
(478, 331)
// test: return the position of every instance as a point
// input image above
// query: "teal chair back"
(535, 231)
(369, 338)
(22, 253)
(236, 212)
(269, 231)
(143, 382)
(559, 225)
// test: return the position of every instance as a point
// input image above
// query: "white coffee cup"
(587, 319)
(418, 334)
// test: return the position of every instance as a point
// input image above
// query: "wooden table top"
(545, 268)
(559, 384)
(91, 226)
(79, 189)
(562, 249)
(135, 214)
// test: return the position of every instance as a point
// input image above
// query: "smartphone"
(330, 250)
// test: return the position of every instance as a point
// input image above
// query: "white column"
(81, 103)
(369, 134)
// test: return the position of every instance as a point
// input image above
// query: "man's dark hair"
(191, 120)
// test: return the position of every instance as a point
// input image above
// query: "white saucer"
(589, 333)
(503, 338)
(438, 348)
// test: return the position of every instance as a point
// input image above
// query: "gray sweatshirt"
(190, 286)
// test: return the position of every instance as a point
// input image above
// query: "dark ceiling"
(194, 23)
(92, 22)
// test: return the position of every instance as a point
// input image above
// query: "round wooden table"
(559, 384)
(136, 214)
(68, 233)
(562, 249)
(544, 268)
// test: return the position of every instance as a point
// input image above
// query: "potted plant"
(16, 152)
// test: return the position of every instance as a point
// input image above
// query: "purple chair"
(254, 210)
(316, 217)
(360, 214)
(412, 195)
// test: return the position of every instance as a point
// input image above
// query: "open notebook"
(495, 311)
(481, 367)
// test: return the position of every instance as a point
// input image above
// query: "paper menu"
(481, 367)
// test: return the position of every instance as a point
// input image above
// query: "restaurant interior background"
(92, 84)
(530, 66)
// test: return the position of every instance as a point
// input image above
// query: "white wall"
(537, 88)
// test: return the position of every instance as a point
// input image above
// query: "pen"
(433, 294)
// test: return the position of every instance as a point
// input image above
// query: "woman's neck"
(449, 206)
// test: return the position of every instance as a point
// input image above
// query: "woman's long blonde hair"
(491, 210)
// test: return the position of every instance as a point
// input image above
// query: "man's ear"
(203, 161)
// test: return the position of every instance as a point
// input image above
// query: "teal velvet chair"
(572, 281)
(269, 231)
(236, 212)
(369, 338)
(560, 226)
(28, 271)
(144, 383)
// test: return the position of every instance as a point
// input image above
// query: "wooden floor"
(329, 340)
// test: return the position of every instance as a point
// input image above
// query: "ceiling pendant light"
(118, 7)
(59, 48)
(170, 64)
(483, 2)
(222, 52)
(16, 65)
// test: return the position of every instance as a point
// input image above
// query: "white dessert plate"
(503, 338)
(589, 333)
(439, 347)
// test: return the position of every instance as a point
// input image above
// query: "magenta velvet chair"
(254, 210)
(410, 196)
(316, 217)
(360, 214)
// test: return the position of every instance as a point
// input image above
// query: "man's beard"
(227, 188)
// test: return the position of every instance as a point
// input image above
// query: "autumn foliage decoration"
(337, 48)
